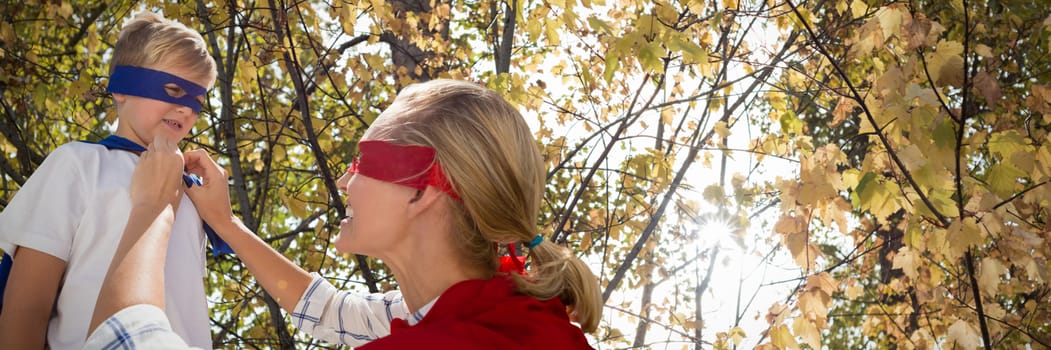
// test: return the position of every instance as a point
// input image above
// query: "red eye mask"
(412, 166)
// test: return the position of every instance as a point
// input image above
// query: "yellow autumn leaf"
(1003, 179)
(348, 17)
(850, 178)
(890, 20)
(294, 204)
(906, 260)
(720, 342)
(912, 157)
(982, 201)
(7, 33)
(1007, 143)
(1043, 159)
(599, 25)
(788, 224)
(877, 196)
(945, 64)
(988, 87)
(782, 338)
(962, 335)
(983, 51)
(814, 306)
(777, 313)
(665, 11)
(551, 28)
(962, 235)
(714, 194)
(989, 275)
(650, 56)
(612, 65)
(805, 329)
(844, 108)
(921, 32)
(721, 129)
(737, 335)
(858, 8)
(853, 292)
(823, 282)
(841, 6)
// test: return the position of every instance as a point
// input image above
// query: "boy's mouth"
(173, 123)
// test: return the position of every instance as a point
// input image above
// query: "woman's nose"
(343, 181)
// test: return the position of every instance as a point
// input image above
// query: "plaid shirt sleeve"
(342, 317)
(136, 327)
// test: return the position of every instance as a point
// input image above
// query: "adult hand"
(157, 179)
(136, 276)
(212, 198)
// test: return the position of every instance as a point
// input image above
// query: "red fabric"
(512, 264)
(486, 314)
(412, 166)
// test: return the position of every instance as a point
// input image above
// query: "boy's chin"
(174, 136)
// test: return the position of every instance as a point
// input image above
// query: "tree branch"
(302, 103)
(506, 44)
(868, 114)
(964, 115)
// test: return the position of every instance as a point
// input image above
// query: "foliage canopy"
(918, 136)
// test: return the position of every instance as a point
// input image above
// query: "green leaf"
(599, 25)
(612, 65)
(1003, 179)
(650, 56)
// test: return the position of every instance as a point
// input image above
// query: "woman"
(447, 175)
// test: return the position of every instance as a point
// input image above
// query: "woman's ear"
(424, 199)
(119, 98)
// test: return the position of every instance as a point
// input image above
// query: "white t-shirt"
(75, 207)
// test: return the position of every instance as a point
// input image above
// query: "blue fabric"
(123, 144)
(148, 83)
(5, 270)
(219, 246)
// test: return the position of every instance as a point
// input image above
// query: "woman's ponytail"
(556, 272)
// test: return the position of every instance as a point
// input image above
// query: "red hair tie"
(512, 262)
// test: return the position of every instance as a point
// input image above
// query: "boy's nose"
(186, 109)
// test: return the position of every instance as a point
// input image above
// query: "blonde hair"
(492, 161)
(151, 41)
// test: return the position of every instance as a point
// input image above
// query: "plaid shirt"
(140, 326)
(323, 312)
(342, 317)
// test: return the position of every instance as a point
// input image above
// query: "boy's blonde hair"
(153, 42)
(492, 161)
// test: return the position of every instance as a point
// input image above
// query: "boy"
(63, 226)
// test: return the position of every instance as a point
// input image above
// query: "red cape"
(486, 314)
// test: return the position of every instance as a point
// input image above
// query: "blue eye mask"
(148, 83)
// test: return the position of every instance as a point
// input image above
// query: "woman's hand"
(136, 276)
(157, 180)
(212, 199)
